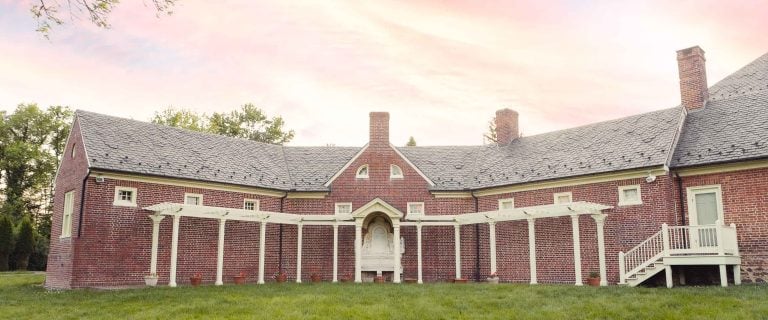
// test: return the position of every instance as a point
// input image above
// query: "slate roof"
(733, 125)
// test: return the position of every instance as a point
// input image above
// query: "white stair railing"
(679, 240)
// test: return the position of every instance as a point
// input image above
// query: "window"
(193, 199)
(629, 195)
(705, 204)
(362, 172)
(563, 197)
(125, 197)
(416, 208)
(66, 220)
(343, 207)
(505, 204)
(395, 172)
(74, 151)
(251, 204)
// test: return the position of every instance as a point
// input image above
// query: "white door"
(705, 209)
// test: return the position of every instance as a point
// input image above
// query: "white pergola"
(356, 218)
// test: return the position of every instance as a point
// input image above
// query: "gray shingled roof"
(733, 125)
(628, 143)
(124, 145)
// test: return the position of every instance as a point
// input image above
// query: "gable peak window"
(395, 172)
(74, 151)
(362, 172)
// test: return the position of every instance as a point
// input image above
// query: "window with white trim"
(251, 204)
(343, 207)
(395, 172)
(362, 172)
(125, 196)
(74, 151)
(66, 220)
(563, 197)
(506, 204)
(193, 199)
(629, 195)
(416, 208)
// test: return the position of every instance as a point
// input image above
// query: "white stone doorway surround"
(379, 208)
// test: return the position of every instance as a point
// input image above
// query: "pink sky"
(441, 68)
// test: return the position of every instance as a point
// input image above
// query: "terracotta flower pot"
(195, 281)
(595, 282)
(460, 280)
(378, 279)
(239, 279)
(493, 280)
(315, 277)
(280, 278)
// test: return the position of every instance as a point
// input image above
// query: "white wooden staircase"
(682, 245)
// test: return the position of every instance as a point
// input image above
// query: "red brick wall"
(70, 178)
(745, 203)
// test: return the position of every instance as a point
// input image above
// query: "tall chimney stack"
(379, 129)
(693, 78)
(506, 126)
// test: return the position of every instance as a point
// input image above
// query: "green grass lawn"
(22, 297)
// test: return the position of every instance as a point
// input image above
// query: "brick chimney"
(506, 126)
(379, 129)
(693, 78)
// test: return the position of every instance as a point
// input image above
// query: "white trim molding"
(557, 195)
(119, 196)
(623, 201)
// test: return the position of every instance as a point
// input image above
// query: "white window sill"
(626, 204)
(396, 177)
(123, 204)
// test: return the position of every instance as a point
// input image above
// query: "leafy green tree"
(6, 241)
(248, 122)
(411, 142)
(25, 243)
(47, 12)
(181, 118)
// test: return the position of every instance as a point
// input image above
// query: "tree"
(248, 122)
(411, 142)
(6, 241)
(47, 12)
(490, 136)
(180, 118)
(25, 243)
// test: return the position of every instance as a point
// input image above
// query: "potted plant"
(280, 277)
(594, 279)
(151, 279)
(378, 279)
(196, 279)
(493, 278)
(240, 278)
(314, 276)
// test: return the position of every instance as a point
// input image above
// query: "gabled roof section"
(378, 205)
(311, 167)
(733, 125)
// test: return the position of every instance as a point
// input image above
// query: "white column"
(174, 250)
(576, 248)
(668, 272)
(600, 221)
(358, 252)
(335, 252)
(492, 237)
(299, 236)
(737, 274)
(156, 219)
(220, 257)
(532, 248)
(396, 247)
(457, 245)
(623, 269)
(262, 242)
(418, 250)
(723, 276)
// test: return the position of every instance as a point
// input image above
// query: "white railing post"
(622, 268)
(719, 237)
(735, 240)
(665, 238)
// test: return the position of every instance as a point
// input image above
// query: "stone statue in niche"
(378, 240)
